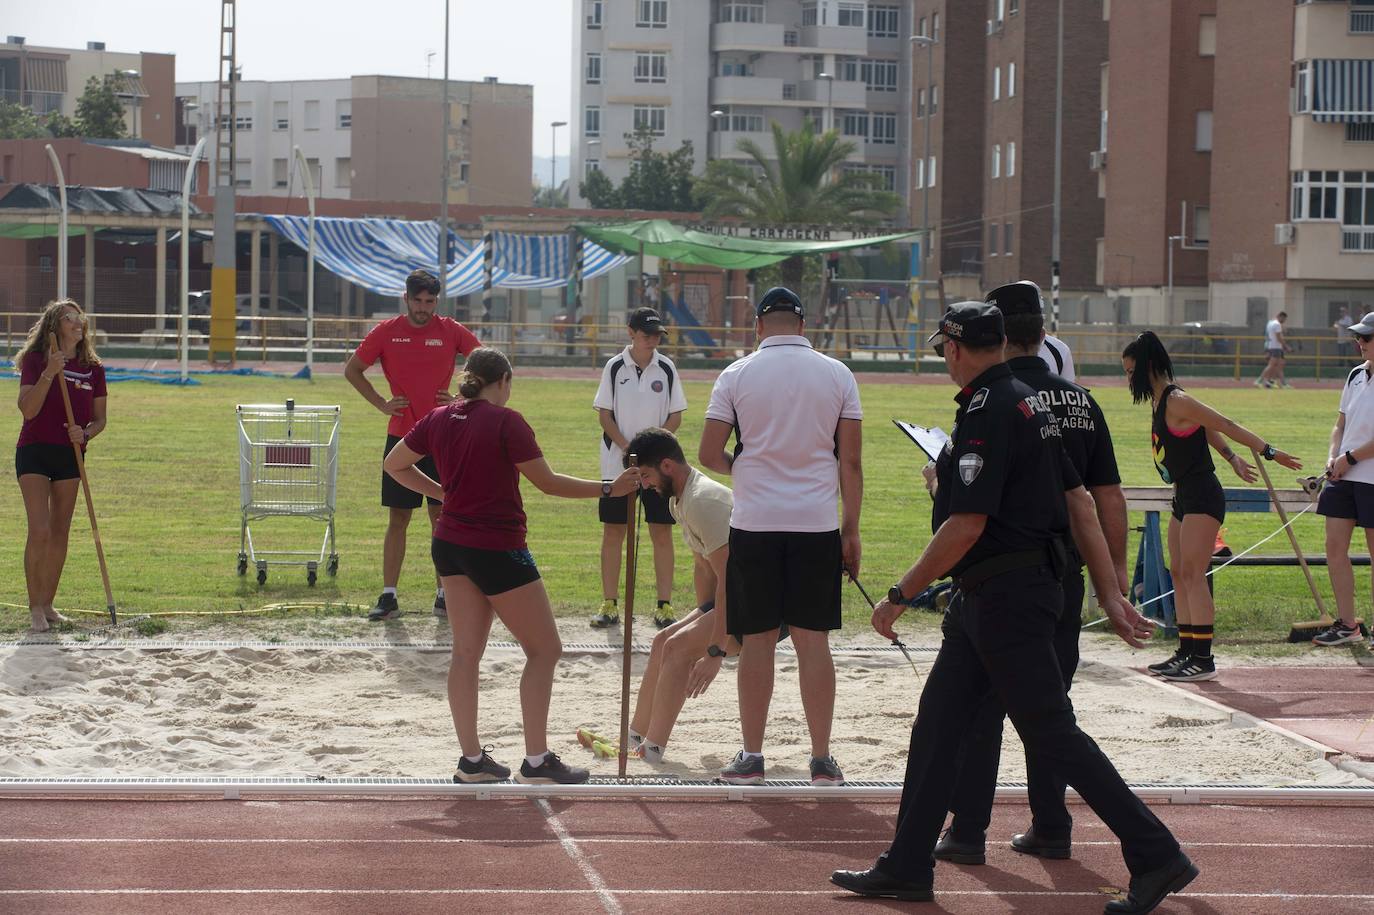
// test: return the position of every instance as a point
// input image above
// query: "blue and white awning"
(1343, 91)
(377, 254)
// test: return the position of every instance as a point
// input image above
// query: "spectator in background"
(1342, 328)
(1275, 346)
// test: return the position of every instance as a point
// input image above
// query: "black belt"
(979, 572)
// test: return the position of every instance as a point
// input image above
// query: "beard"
(665, 487)
(419, 317)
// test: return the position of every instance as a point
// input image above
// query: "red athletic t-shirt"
(417, 361)
(476, 446)
(84, 384)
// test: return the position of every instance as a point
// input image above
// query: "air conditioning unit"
(1285, 233)
(1097, 160)
(994, 26)
(95, 46)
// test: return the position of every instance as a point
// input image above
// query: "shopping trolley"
(288, 464)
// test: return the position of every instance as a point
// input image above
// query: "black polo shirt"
(1005, 460)
(1087, 440)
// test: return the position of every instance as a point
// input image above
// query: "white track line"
(502, 891)
(589, 871)
(602, 841)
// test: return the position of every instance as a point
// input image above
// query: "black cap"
(646, 320)
(780, 298)
(971, 323)
(1019, 298)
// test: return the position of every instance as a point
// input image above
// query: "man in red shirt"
(417, 350)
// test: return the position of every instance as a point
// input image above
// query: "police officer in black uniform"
(1088, 443)
(1005, 489)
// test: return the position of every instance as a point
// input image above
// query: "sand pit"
(349, 711)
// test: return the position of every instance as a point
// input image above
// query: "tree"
(18, 122)
(99, 112)
(598, 191)
(657, 181)
(553, 198)
(797, 185)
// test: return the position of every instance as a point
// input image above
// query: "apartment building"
(1256, 120)
(716, 73)
(375, 137)
(52, 79)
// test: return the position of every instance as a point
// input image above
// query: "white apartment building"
(716, 72)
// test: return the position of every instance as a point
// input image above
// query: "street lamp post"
(929, 44)
(553, 155)
(716, 115)
(828, 122)
(1058, 169)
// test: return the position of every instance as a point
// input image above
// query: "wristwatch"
(895, 595)
(1268, 452)
(605, 489)
(1350, 456)
(715, 651)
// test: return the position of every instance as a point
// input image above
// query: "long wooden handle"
(86, 489)
(631, 557)
(1292, 538)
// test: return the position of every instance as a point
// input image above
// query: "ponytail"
(485, 365)
(1151, 359)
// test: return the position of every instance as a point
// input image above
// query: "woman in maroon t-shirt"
(44, 460)
(480, 449)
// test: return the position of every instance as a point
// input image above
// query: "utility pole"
(1058, 170)
(443, 178)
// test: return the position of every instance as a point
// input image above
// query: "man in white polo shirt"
(639, 388)
(797, 419)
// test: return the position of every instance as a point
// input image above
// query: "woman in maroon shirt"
(481, 448)
(44, 460)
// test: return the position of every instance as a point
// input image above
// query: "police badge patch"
(970, 465)
(977, 401)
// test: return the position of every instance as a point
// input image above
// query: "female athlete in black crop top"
(1180, 431)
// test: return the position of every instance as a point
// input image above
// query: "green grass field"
(165, 481)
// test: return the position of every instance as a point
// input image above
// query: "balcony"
(834, 38)
(842, 94)
(1328, 251)
(745, 90)
(1357, 239)
(746, 36)
(723, 144)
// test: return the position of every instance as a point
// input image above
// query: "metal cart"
(288, 465)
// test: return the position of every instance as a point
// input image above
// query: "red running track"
(517, 855)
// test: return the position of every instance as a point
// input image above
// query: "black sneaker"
(552, 771)
(1192, 669)
(825, 773)
(742, 771)
(486, 770)
(386, 608)
(440, 605)
(1338, 634)
(1174, 660)
(664, 616)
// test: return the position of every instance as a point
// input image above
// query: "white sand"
(349, 711)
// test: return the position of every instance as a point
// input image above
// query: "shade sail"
(661, 238)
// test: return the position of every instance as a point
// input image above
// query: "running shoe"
(1283, 383)
(664, 616)
(1173, 660)
(1192, 669)
(485, 770)
(649, 752)
(552, 771)
(825, 773)
(386, 609)
(743, 771)
(440, 605)
(607, 616)
(1261, 383)
(1337, 633)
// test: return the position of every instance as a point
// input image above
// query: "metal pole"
(308, 181)
(443, 177)
(61, 224)
(488, 252)
(183, 330)
(553, 156)
(1058, 169)
(1169, 299)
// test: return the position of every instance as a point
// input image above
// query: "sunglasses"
(1364, 338)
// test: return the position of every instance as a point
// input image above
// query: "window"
(883, 21)
(994, 236)
(1011, 80)
(1013, 7)
(343, 113)
(884, 129)
(930, 171)
(854, 123)
(130, 265)
(463, 169)
(652, 117)
(879, 75)
(809, 14)
(343, 171)
(593, 71)
(935, 26)
(849, 69)
(1202, 225)
(735, 68)
(920, 181)
(1007, 234)
(1204, 132)
(591, 165)
(591, 121)
(1361, 20)
(243, 116)
(281, 119)
(593, 10)
(1011, 160)
(316, 175)
(651, 67)
(851, 15)
(45, 263)
(921, 29)
(886, 175)
(934, 99)
(312, 114)
(243, 173)
(1359, 133)
(1302, 88)
(279, 173)
(740, 122)
(740, 11)
(1207, 36)
(651, 14)
(997, 160)
(996, 84)
(920, 103)
(1316, 195)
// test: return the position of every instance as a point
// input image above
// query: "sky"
(517, 41)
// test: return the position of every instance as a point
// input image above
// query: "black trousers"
(976, 786)
(1000, 640)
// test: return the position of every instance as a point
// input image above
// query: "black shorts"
(492, 571)
(1200, 494)
(776, 577)
(56, 462)
(394, 495)
(1348, 499)
(611, 509)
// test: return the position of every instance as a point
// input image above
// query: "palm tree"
(797, 185)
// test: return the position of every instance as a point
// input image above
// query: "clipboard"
(931, 441)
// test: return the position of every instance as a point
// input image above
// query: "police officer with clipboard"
(1005, 493)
